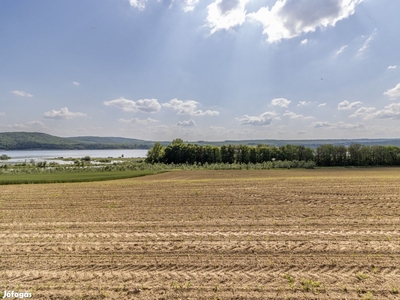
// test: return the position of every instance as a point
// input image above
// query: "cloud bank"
(188, 107)
(62, 114)
(263, 119)
(338, 125)
(346, 105)
(188, 123)
(142, 105)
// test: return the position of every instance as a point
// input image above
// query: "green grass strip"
(71, 177)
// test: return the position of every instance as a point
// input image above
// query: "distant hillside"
(306, 143)
(43, 141)
(125, 143)
(106, 140)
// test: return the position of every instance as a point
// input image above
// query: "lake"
(20, 156)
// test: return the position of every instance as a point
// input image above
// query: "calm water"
(40, 155)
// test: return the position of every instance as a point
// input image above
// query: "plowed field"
(272, 234)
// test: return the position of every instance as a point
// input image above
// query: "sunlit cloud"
(391, 111)
(304, 103)
(188, 107)
(341, 49)
(226, 14)
(190, 5)
(293, 115)
(139, 4)
(338, 125)
(188, 123)
(394, 92)
(282, 102)
(363, 112)
(346, 105)
(62, 114)
(22, 94)
(263, 119)
(142, 105)
(138, 121)
(365, 45)
(291, 18)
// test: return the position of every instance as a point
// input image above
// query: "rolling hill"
(43, 141)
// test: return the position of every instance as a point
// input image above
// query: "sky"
(201, 69)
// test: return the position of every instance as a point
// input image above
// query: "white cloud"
(293, 115)
(139, 4)
(187, 123)
(346, 105)
(391, 111)
(62, 114)
(362, 112)
(36, 123)
(263, 119)
(22, 94)
(2, 114)
(392, 67)
(366, 43)
(321, 124)
(76, 83)
(394, 92)
(304, 103)
(304, 42)
(161, 129)
(216, 128)
(282, 102)
(190, 5)
(32, 125)
(290, 18)
(226, 14)
(188, 107)
(17, 126)
(322, 105)
(138, 121)
(341, 49)
(338, 125)
(142, 105)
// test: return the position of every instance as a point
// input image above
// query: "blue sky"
(201, 70)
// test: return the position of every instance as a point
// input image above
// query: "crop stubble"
(277, 234)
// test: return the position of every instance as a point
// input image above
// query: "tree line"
(327, 155)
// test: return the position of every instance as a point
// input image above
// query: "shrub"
(4, 157)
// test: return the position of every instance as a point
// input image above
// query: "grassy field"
(71, 176)
(269, 234)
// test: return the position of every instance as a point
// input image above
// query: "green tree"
(325, 155)
(227, 154)
(355, 158)
(243, 154)
(155, 154)
(177, 141)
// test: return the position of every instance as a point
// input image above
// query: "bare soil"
(271, 234)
